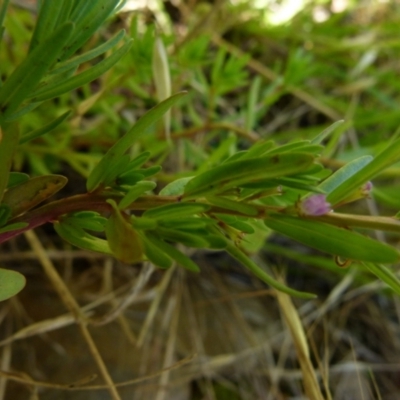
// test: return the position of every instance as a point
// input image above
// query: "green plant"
(218, 203)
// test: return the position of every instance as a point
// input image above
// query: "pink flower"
(315, 205)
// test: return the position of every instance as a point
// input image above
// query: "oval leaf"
(11, 283)
(124, 241)
(29, 194)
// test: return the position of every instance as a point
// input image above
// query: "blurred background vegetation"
(253, 69)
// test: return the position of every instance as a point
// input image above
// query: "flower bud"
(362, 192)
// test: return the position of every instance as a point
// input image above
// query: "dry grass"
(90, 328)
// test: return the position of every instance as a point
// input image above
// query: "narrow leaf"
(89, 55)
(155, 254)
(80, 238)
(91, 15)
(223, 202)
(123, 144)
(176, 210)
(53, 90)
(326, 132)
(46, 22)
(162, 79)
(331, 239)
(186, 238)
(139, 189)
(261, 274)
(13, 227)
(173, 253)
(29, 73)
(386, 158)
(344, 173)
(44, 129)
(385, 275)
(235, 173)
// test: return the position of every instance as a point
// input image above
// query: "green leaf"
(385, 275)
(80, 238)
(184, 237)
(122, 145)
(5, 214)
(155, 254)
(13, 227)
(3, 11)
(261, 274)
(223, 202)
(238, 223)
(139, 189)
(99, 50)
(187, 223)
(331, 239)
(16, 178)
(303, 146)
(143, 223)
(175, 188)
(115, 168)
(259, 149)
(173, 253)
(162, 79)
(326, 132)
(389, 195)
(46, 22)
(235, 173)
(88, 17)
(176, 210)
(387, 157)
(22, 110)
(343, 174)
(11, 283)
(123, 240)
(29, 194)
(29, 73)
(138, 161)
(96, 223)
(145, 172)
(58, 88)
(44, 129)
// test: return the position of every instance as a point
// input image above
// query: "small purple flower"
(315, 205)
